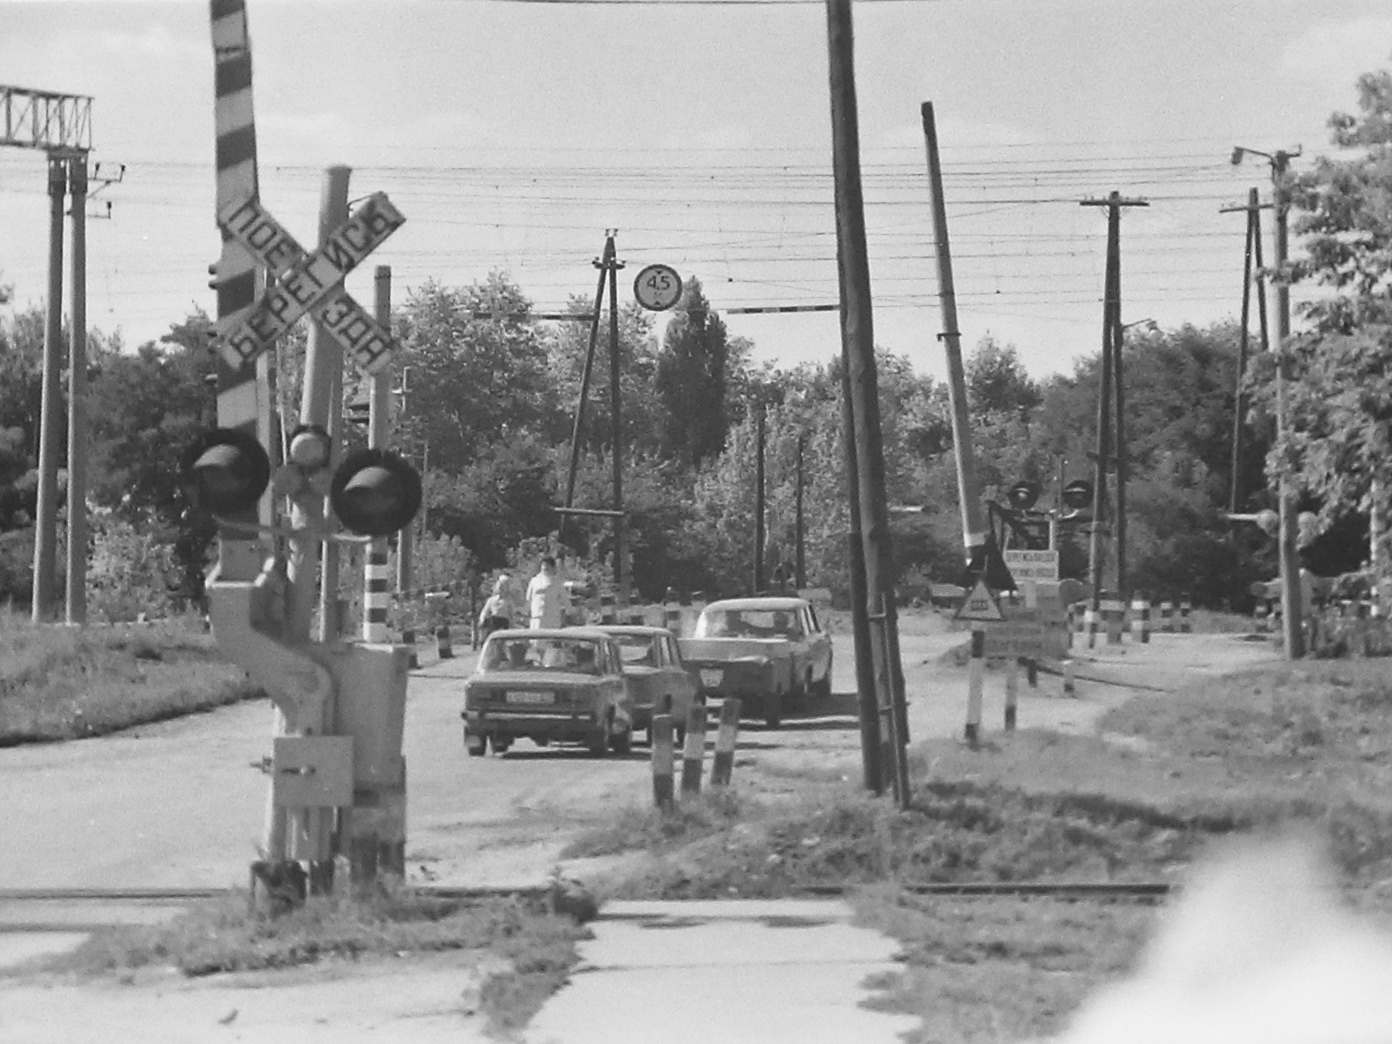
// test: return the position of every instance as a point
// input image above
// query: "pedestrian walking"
(547, 597)
(498, 611)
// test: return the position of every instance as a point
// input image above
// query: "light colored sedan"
(562, 685)
(768, 652)
(653, 664)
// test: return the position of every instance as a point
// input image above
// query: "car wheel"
(621, 742)
(598, 743)
(476, 746)
(501, 746)
(773, 710)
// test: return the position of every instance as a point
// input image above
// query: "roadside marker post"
(1069, 687)
(981, 608)
(976, 678)
(1184, 625)
(694, 749)
(1167, 617)
(722, 765)
(662, 760)
(1012, 691)
(1140, 611)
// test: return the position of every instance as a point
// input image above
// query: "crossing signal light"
(1269, 521)
(1077, 495)
(375, 492)
(225, 471)
(1022, 495)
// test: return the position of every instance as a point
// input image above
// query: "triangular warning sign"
(980, 604)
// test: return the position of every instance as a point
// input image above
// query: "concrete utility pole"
(76, 601)
(1292, 609)
(800, 561)
(975, 532)
(858, 355)
(1106, 453)
(403, 538)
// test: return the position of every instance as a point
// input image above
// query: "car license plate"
(711, 677)
(523, 696)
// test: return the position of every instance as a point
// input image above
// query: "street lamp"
(1291, 606)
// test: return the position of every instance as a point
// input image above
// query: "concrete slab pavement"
(733, 971)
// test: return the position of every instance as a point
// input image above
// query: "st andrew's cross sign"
(302, 282)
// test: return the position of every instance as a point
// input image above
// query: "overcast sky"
(512, 134)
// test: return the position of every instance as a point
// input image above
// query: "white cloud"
(1340, 51)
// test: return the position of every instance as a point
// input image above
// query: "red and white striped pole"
(377, 572)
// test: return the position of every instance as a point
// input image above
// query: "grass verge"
(1166, 775)
(537, 948)
(59, 683)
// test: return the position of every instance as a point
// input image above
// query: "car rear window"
(749, 623)
(542, 654)
(637, 649)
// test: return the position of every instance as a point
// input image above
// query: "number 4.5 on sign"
(658, 287)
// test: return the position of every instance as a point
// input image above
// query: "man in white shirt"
(547, 598)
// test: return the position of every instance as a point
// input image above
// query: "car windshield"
(748, 623)
(540, 654)
(637, 649)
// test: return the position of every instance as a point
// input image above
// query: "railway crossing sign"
(980, 604)
(302, 282)
(658, 287)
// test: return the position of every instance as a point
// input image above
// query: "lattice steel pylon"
(48, 120)
(61, 125)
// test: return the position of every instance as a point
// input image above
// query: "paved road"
(178, 805)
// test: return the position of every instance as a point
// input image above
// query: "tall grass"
(59, 682)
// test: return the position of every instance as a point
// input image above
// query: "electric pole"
(1292, 609)
(616, 431)
(76, 601)
(858, 358)
(759, 436)
(975, 532)
(577, 430)
(46, 513)
(1253, 246)
(1111, 343)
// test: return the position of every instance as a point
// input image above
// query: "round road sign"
(658, 287)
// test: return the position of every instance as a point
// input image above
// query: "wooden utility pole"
(759, 436)
(46, 514)
(975, 532)
(1106, 451)
(578, 429)
(858, 354)
(76, 601)
(1235, 486)
(616, 433)
(800, 561)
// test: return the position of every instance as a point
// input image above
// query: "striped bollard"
(662, 760)
(1032, 673)
(1184, 625)
(606, 609)
(1260, 619)
(1113, 609)
(1069, 688)
(1167, 617)
(1090, 622)
(694, 749)
(724, 761)
(442, 641)
(1141, 607)
(408, 639)
(377, 594)
(1012, 691)
(976, 677)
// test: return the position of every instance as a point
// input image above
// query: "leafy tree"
(474, 382)
(997, 381)
(693, 378)
(640, 407)
(1338, 440)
